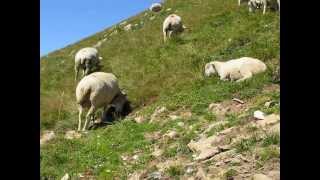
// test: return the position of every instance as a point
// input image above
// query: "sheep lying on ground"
(155, 7)
(172, 25)
(86, 59)
(98, 90)
(236, 69)
(258, 4)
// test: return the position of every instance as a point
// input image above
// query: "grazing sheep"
(155, 7)
(172, 25)
(86, 59)
(97, 90)
(236, 69)
(258, 4)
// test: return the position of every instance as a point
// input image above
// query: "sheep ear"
(184, 27)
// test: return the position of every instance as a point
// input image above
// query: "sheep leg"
(264, 7)
(89, 116)
(246, 74)
(80, 114)
(239, 2)
(76, 69)
(165, 34)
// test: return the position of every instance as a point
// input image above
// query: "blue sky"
(63, 22)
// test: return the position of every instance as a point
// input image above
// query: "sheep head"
(209, 69)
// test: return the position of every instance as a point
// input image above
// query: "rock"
(65, 177)
(157, 113)
(155, 175)
(152, 18)
(72, 135)
(181, 124)
(235, 161)
(214, 125)
(275, 175)
(258, 115)
(128, 27)
(205, 147)
(47, 136)
(155, 7)
(139, 119)
(171, 134)
(269, 120)
(98, 44)
(168, 9)
(260, 177)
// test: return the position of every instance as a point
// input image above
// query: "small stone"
(258, 115)
(47, 136)
(65, 177)
(269, 104)
(169, 9)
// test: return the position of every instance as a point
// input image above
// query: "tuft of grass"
(271, 139)
(175, 171)
(246, 144)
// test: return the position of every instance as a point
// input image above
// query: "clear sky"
(63, 22)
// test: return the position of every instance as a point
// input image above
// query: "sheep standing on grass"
(155, 7)
(236, 69)
(98, 90)
(258, 4)
(172, 25)
(86, 59)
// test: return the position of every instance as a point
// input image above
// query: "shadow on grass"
(111, 116)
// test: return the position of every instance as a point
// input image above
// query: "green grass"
(170, 74)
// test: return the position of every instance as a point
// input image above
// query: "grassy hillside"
(155, 74)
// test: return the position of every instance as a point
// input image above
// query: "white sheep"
(155, 7)
(257, 4)
(97, 90)
(236, 69)
(86, 59)
(172, 25)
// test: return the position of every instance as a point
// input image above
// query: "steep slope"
(156, 74)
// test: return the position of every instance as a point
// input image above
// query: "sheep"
(86, 59)
(236, 69)
(172, 25)
(97, 90)
(155, 7)
(257, 4)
